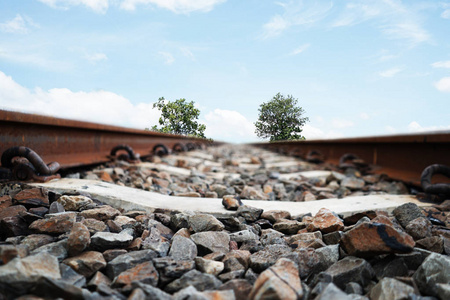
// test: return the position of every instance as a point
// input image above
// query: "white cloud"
(313, 133)
(407, 30)
(443, 85)
(99, 6)
(300, 49)
(230, 126)
(96, 57)
(168, 58)
(364, 116)
(416, 127)
(188, 53)
(341, 123)
(441, 64)
(96, 106)
(390, 72)
(446, 14)
(176, 6)
(18, 25)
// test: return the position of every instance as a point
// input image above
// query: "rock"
(137, 294)
(236, 260)
(127, 261)
(331, 291)
(56, 224)
(144, 272)
(179, 221)
(352, 183)
(253, 194)
(288, 226)
(275, 215)
(332, 238)
(5, 201)
(108, 240)
(57, 249)
(250, 214)
(194, 278)
(328, 256)
(12, 211)
(34, 241)
(113, 226)
(55, 208)
(271, 237)
(307, 260)
(349, 269)
(209, 266)
(219, 295)
(189, 292)
(243, 235)
(406, 213)
(443, 290)
(137, 243)
(390, 266)
(434, 244)
(51, 289)
(352, 219)
(204, 222)
(151, 292)
(32, 197)
(434, 270)
(170, 269)
(40, 211)
(326, 221)
(156, 242)
(20, 274)
(241, 288)
(87, 263)
(419, 228)
(13, 226)
(390, 288)
(98, 279)
(267, 257)
(369, 239)
(212, 241)
(113, 253)
(353, 288)
(103, 213)
(124, 221)
(183, 248)
(281, 281)
(79, 239)
(94, 225)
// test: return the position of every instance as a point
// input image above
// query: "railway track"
(210, 222)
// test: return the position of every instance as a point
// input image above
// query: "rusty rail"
(75, 143)
(402, 157)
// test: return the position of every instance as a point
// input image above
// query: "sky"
(357, 68)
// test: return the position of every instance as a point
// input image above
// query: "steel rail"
(401, 157)
(76, 143)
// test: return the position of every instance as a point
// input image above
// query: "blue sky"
(358, 68)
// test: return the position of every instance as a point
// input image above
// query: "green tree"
(179, 117)
(280, 119)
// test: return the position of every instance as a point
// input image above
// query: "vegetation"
(280, 119)
(179, 117)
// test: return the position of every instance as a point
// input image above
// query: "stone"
(288, 226)
(113, 226)
(236, 260)
(97, 279)
(443, 290)
(12, 211)
(179, 221)
(20, 274)
(55, 208)
(57, 249)
(275, 215)
(108, 240)
(390, 288)
(5, 201)
(331, 291)
(124, 221)
(69, 276)
(137, 294)
(328, 256)
(349, 269)
(110, 254)
(253, 194)
(243, 235)
(170, 269)
(9, 252)
(151, 292)
(354, 288)
(189, 292)
(205, 222)
(352, 183)
(13, 226)
(189, 194)
(40, 211)
(144, 272)
(250, 214)
(34, 241)
(280, 281)
(407, 212)
(87, 263)
(50, 289)
(434, 270)
(103, 213)
(195, 278)
(209, 266)
(267, 257)
(219, 295)
(79, 239)
(56, 224)
(183, 248)
(240, 287)
(307, 260)
(94, 225)
(270, 237)
(211, 241)
(127, 261)
(32, 197)
(326, 221)
(353, 218)
(306, 236)
(433, 243)
(368, 239)
(155, 241)
(332, 238)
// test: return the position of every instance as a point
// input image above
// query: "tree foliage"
(179, 117)
(280, 119)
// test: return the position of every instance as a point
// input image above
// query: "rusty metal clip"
(160, 150)
(178, 147)
(25, 164)
(130, 156)
(315, 156)
(437, 188)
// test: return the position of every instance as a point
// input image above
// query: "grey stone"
(443, 290)
(243, 235)
(272, 237)
(34, 241)
(331, 291)
(108, 240)
(390, 267)
(250, 214)
(70, 276)
(180, 220)
(265, 258)
(327, 257)
(155, 241)
(407, 212)
(240, 287)
(212, 241)
(352, 183)
(204, 222)
(419, 228)
(209, 266)
(56, 207)
(347, 270)
(433, 270)
(189, 293)
(196, 279)
(57, 249)
(170, 269)
(51, 288)
(151, 292)
(127, 261)
(354, 288)
(390, 288)
(183, 248)
(86, 263)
